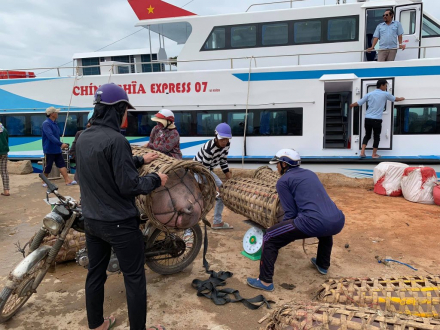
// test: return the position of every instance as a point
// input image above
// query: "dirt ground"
(375, 225)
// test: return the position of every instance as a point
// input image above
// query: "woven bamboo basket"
(171, 167)
(255, 199)
(316, 316)
(266, 174)
(410, 295)
(74, 242)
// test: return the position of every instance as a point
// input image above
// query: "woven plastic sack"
(387, 178)
(418, 183)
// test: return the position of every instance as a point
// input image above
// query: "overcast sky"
(46, 33)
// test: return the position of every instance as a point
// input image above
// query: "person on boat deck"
(109, 182)
(214, 153)
(309, 212)
(52, 146)
(4, 149)
(377, 100)
(164, 137)
(387, 33)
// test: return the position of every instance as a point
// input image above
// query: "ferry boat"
(280, 78)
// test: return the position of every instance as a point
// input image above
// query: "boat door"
(386, 136)
(410, 16)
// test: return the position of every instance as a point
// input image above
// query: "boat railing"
(273, 3)
(175, 62)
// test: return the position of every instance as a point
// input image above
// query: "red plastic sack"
(436, 193)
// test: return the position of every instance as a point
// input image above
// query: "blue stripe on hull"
(361, 73)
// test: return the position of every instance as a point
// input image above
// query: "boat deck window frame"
(291, 30)
(437, 25)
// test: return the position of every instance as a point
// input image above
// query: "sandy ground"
(375, 225)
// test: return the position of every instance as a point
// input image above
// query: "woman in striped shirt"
(214, 153)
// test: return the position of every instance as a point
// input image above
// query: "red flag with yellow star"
(153, 9)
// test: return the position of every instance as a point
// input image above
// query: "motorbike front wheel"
(186, 244)
(11, 300)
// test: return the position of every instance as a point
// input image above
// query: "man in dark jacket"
(109, 183)
(309, 212)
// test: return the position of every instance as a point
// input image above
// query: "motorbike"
(165, 252)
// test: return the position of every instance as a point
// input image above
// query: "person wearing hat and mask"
(109, 182)
(52, 146)
(309, 212)
(164, 137)
(214, 153)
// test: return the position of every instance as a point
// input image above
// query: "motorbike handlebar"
(50, 185)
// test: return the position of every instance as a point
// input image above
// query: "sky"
(41, 34)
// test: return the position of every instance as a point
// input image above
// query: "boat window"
(140, 123)
(16, 125)
(430, 28)
(408, 21)
(237, 120)
(417, 119)
(71, 127)
(89, 62)
(84, 116)
(216, 39)
(183, 123)
(202, 123)
(342, 29)
(147, 66)
(281, 122)
(275, 34)
(306, 32)
(243, 36)
(207, 121)
(36, 123)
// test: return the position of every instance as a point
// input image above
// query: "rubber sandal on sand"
(111, 322)
(6, 194)
(225, 226)
(72, 183)
(159, 327)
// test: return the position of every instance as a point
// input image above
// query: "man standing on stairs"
(377, 101)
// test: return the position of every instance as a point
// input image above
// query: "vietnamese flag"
(153, 9)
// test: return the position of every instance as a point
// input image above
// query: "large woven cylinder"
(74, 242)
(314, 316)
(267, 175)
(255, 199)
(410, 295)
(165, 204)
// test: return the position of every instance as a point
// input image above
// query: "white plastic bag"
(387, 177)
(418, 183)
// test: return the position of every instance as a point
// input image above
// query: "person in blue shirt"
(309, 212)
(377, 100)
(52, 146)
(388, 32)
